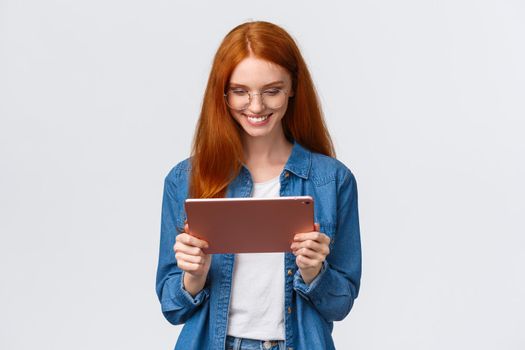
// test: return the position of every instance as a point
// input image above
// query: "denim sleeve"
(336, 287)
(176, 303)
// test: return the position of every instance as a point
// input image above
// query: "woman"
(260, 133)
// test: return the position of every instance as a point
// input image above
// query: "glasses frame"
(250, 99)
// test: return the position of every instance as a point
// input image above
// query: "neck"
(266, 150)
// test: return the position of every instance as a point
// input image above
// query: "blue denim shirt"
(310, 309)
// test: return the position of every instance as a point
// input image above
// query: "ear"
(291, 93)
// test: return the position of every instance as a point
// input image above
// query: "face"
(256, 76)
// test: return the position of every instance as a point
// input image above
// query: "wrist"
(193, 284)
(309, 274)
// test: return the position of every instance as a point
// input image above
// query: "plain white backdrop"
(424, 100)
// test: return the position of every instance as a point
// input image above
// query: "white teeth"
(257, 120)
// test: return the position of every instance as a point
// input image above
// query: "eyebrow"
(265, 85)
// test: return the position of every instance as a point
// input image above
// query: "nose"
(256, 104)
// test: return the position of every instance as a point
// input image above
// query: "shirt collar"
(299, 161)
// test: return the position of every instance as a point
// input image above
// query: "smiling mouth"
(258, 119)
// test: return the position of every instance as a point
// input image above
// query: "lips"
(258, 120)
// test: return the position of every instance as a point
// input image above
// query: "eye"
(272, 92)
(239, 92)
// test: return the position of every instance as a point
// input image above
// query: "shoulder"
(179, 172)
(326, 169)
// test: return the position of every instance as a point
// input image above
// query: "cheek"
(282, 111)
(236, 115)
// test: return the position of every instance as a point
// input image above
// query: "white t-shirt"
(257, 297)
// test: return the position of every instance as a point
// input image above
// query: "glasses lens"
(240, 99)
(237, 99)
(273, 98)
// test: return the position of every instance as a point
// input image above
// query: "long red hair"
(217, 152)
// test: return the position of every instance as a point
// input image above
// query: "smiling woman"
(259, 116)
(260, 133)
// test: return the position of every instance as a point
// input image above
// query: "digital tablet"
(249, 225)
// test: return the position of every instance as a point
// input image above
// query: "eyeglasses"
(239, 99)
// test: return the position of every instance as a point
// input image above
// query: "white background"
(425, 102)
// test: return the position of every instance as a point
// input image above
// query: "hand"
(311, 250)
(192, 260)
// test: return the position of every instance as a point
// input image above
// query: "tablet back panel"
(249, 225)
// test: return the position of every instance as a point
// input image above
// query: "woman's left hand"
(311, 250)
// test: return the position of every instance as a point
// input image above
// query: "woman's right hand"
(192, 260)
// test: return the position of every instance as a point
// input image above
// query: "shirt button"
(267, 344)
(286, 174)
(289, 310)
(290, 272)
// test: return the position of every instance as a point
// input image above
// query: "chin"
(256, 133)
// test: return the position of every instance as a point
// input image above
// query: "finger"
(305, 262)
(313, 245)
(321, 248)
(314, 236)
(187, 249)
(317, 227)
(196, 259)
(310, 254)
(186, 227)
(191, 240)
(189, 266)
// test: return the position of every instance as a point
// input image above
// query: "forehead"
(256, 72)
